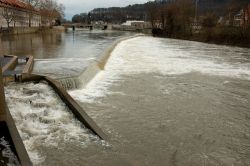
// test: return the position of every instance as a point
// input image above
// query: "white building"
(14, 13)
(137, 24)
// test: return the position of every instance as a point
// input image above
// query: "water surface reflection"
(61, 54)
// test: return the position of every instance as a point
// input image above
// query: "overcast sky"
(79, 6)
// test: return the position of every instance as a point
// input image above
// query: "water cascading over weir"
(80, 81)
(8, 127)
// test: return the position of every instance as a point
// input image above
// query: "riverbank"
(221, 41)
(30, 30)
(244, 44)
(231, 36)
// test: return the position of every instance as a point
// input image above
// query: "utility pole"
(196, 10)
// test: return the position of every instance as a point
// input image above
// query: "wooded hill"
(141, 11)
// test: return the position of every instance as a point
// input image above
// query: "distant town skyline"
(79, 6)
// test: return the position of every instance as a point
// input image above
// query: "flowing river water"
(160, 101)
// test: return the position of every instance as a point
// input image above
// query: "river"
(160, 101)
(60, 55)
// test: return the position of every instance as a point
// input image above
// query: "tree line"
(209, 21)
(115, 15)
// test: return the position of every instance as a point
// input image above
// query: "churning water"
(161, 102)
(173, 102)
(43, 120)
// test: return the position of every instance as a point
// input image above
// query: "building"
(242, 18)
(137, 24)
(246, 16)
(14, 13)
(15, 16)
(238, 19)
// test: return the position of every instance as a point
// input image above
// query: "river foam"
(165, 57)
(43, 120)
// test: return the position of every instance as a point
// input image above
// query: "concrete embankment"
(19, 30)
(27, 30)
(6, 118)
(2, 98)
(11, 63)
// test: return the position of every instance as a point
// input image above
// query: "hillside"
(140, 11)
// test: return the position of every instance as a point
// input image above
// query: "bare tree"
(8, 15)
(52, 10)
(32, 5)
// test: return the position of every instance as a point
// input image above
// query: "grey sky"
(78, 6)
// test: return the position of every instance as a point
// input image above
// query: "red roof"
(15, 3)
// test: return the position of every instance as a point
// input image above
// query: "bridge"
(87, 26)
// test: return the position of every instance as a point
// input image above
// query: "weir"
(6, 118)
(87, 75)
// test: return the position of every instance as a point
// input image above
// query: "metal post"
(196, 10)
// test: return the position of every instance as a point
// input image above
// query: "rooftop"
(14, 3)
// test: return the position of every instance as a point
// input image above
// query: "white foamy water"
(165, 57)
(43, 120)
(173, 102)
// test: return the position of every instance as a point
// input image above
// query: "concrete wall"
(23, 30)
(16, 138)
(11, 64)
(59, 28)
(2, 98)
(6, 116)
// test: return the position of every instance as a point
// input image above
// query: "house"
(141, 25)
(242, 18)
(246, 16)
(238, 19)
(136, 25)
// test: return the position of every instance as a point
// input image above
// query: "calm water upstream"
(160, 101)
(61, 54)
